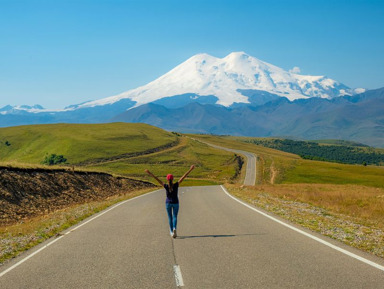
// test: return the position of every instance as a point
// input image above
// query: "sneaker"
(171, 233)
(174, 235)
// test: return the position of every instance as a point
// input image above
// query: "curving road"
(222, 243)
(250, 175)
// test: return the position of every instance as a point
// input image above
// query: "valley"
(235, 95)
(105, 164)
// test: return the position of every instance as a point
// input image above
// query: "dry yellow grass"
(362, 202)
(352, 214)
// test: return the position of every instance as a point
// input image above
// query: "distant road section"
(250, 175)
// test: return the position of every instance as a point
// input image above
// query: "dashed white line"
(366, 261)
(178, 276)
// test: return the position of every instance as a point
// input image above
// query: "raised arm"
(156, 178)
(186, 174)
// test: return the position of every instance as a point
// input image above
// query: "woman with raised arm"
(172, 200)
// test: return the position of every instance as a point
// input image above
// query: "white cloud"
(295, 70)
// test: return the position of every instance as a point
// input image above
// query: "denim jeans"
(172, 210)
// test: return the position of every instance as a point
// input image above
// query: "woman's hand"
(156, 178)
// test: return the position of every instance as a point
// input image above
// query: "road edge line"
(350, 254)
(70, 231)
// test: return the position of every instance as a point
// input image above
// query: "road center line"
(366, 261)
(77, 227)
(178, 276)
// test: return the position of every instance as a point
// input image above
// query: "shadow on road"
(215, 236)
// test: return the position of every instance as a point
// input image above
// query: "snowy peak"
(8, 109)
(224, 78)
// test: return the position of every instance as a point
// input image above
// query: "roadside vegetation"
(19, 237)
(123, 150)
(344, 202)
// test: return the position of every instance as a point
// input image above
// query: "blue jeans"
(172, 210)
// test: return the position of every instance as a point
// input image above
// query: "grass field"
(277, 167)
(118, 148)
(345, 202)
(79, 142)
(305, 171)
(212, 166)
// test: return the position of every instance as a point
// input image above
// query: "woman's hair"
(170, 185)
(170, 182)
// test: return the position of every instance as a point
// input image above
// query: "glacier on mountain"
(204, 77)
(224, 78)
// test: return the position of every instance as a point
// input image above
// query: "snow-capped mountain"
(236, 95)
(8, 109)
(225, 78)
(235, 79)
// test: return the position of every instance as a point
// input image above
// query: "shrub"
(54, 159)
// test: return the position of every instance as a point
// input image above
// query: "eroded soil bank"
(26, 193)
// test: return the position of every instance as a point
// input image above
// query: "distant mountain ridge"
(227, 81)
(358, 118)
(237, 94)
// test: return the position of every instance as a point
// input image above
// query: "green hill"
(79, 143)
(279, 167)
(330, 151)
(127, 149)
(117, 148)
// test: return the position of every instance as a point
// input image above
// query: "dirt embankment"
(26, 193)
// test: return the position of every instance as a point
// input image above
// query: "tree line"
(330, 153)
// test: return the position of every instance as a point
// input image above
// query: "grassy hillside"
(79, 142)
(277, 167)
(212, 166)
(119, 148)
(342, 201)
(340, 151)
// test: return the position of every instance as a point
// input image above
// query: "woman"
(172, 201)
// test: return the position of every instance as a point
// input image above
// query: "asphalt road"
(221, 244)
(250, 175)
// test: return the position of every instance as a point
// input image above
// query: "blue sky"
(58, 53)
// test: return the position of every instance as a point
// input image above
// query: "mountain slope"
(225, 78)
(357, 118)
(238, 95)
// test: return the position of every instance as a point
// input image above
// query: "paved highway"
(250, 175)
(221, 244)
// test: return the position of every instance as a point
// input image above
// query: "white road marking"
(366, 261)
(30, 256)
(58, 238)
(178, 276)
